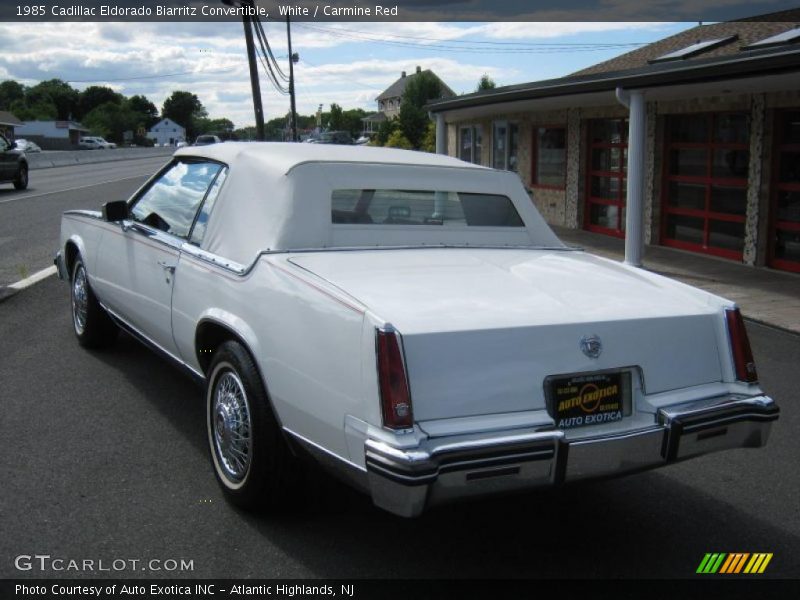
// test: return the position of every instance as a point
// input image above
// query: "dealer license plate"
(589, 398)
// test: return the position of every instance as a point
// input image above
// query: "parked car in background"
(27, 146)
(90, 143)
(181, 144)
(408, 319)
(95, 143)
(205, 140)
(335, 137)
(13, 164)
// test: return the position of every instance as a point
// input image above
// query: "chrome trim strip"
(217, 261)
(151, 233)
(94, 214)
(144, 338)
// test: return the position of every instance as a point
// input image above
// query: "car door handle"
(166, 266)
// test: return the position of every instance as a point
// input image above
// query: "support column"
(441, 134)
(637, 133)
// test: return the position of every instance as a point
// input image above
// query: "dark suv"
(13, 165)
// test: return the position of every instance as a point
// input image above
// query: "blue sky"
(346, 63)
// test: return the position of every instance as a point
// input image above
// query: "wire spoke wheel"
(231, 426)
(80, 299)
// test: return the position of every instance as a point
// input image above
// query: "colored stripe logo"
(734, 563)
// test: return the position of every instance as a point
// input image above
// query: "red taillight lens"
(740, 347)
(395, 399)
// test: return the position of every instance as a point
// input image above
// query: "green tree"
(385, 130)
(220, 127)
(60, 94)
(11, 92)
(429, 139)
(185, 109)
(486, 83)
(336, 118)
(94, 96)
(111, 120)
(142, 106)
(351, 121)
(422, 88)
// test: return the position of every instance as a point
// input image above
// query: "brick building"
(712, 118)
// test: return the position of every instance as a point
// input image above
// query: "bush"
(398, 140)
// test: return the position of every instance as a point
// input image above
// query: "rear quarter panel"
(304, 336)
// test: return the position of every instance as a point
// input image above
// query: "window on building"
(470, 143)
(505, 146)
(606, 176)
(784, 245)
(549, 157)
(704, 195)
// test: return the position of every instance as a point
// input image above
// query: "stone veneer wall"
(574, 189)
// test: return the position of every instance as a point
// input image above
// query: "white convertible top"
(280, 158)
(277, 196)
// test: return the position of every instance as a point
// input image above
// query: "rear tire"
(252, 461)
(21, 180)
(91, 323)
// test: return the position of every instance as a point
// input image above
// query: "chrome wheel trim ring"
(80, 300)
(230, 427)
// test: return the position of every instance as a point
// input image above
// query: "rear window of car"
(414, 207)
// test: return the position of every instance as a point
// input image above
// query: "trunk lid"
(483, 328)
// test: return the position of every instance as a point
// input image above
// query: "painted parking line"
(72, 189)
(6, 291)
(35, 278)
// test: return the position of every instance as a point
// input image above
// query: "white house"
(167, 131)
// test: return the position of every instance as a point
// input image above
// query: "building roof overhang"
(673, 79)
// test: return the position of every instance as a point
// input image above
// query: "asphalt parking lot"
(105, 458)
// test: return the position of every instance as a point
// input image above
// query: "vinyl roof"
(282, 157)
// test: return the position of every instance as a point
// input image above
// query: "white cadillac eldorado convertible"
(407, 319)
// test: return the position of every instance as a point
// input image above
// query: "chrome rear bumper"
(405, 481)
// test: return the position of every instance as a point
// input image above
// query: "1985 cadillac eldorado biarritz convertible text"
(410, 321)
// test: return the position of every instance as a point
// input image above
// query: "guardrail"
(59, 158)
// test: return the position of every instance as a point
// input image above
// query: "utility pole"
(293, 58)
(251, 58)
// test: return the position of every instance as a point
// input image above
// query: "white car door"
(136, 262)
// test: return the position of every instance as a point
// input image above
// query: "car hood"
(457, 289)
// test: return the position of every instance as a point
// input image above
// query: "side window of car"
(199, 230)
(171, 202)
(4, 145)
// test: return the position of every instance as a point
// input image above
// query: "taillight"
(395, 399)
(740, 347)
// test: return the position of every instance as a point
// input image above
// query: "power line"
(267, 58)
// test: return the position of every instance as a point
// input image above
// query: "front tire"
(92, 325)
(252, 461)
(21, 180)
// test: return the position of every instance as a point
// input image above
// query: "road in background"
(104, 457)
(30, 220)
